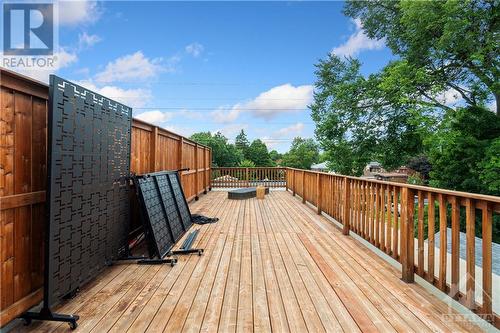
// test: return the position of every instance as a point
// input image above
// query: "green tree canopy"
(247, 164)
(258, 154)
(275, 157)
(302, 154)
(444, 45)
(242, 143)
(464, 152)
(442, 48)
(223, 153)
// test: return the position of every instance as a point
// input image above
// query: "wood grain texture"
(260, 272)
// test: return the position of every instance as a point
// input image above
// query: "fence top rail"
(476, 196)
(162, 131)
(243, 168)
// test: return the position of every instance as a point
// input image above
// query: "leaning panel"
(88, 203)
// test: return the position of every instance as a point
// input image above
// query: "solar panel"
(88, 203)
(164, 209)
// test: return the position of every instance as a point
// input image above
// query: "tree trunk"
(497, 100)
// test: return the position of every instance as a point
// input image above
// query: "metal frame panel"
(164, 209)
(88, 200)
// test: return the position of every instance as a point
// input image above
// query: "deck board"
(269, 265)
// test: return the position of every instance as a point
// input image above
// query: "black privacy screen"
(164, 209)
(88, 203)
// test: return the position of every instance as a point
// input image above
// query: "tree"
(464, 152)
(421, 165)
(302, 154)
(443, 49)
(242, 142)
(451, 45)
(275, 157)
(247, 164)
(361, 119)
(223, 153)
(258, 154)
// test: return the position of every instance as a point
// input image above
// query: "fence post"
(318, 193)
(179, 157)
(303, 186)
(210, 169)
(196, 182)
(407, 235)
(293, 181)
(205, 171)
(346, 218)
(152, 149)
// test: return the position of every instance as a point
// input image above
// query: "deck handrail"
(232, 177)
(382, 213)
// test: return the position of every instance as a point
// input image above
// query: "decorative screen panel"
(89, 159)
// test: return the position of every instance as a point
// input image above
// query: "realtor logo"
(28, 29)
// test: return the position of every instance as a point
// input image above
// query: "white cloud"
(357, 42)
(232, 130)
(277, 138)
(275, 101)
(290, 131)
(72, 13)
(131, 67)
(195, 49)
(85, 40)
(450, 97)
(155, 116)
(226, 114)
(134, 98)
(181, 130)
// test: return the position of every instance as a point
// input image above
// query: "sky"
(210, 66)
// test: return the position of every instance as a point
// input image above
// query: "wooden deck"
(269, 265)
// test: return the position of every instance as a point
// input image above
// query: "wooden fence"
(248, 177)
(23, 173)
(402, 220)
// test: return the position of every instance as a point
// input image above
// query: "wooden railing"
(248, 177)
(403, 221)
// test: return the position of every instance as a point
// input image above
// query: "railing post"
(293, 181)
(407, 235)
(247, 177)
(318, 193)
(346, 218)
(303, 186)
(286, 178)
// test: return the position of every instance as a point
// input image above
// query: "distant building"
(322, 167)
(371, 169)
(374, 170)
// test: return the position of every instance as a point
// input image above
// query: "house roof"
(495, 249)
(320, 166)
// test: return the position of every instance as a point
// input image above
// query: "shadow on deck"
(269, 264)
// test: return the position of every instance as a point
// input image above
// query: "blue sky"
(218, 66)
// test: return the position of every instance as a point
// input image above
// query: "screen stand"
(46, 314)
